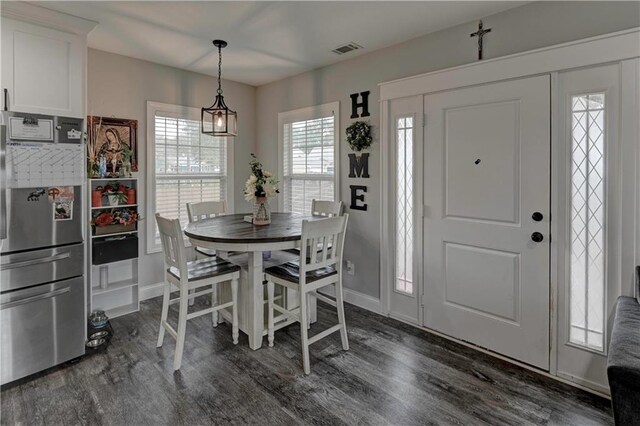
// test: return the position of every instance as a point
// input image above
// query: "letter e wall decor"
(355, 197)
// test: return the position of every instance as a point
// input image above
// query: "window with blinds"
(309, 161)
(189, 166)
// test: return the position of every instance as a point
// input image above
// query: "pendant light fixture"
(218, 119)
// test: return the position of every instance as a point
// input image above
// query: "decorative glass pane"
(309, 170)
(587, 287)
(404, 205)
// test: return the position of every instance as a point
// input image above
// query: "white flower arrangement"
(261, 183)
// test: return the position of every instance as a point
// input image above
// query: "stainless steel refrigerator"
(42, 286)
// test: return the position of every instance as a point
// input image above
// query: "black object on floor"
(98, 338)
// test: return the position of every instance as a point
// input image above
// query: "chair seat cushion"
(206, 251)
(290, 271)
(205, 268)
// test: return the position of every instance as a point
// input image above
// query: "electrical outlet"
(351, 268)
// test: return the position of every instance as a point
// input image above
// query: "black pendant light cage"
(218, 119)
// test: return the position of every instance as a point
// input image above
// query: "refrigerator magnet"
(35, 195)
(62, 210)
(61, 194)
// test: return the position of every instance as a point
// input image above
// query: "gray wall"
(121, 86)
(528, 27)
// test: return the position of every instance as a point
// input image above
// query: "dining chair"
(199, 211)
(205, 210)
(187, 276)
(327, 208)
(313, 271)
(322, 208)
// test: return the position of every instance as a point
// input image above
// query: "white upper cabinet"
(43, 69)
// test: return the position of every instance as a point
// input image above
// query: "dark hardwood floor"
(393, 374)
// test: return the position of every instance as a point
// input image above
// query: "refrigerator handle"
(32, 262)
(26, 300)
(3, 182)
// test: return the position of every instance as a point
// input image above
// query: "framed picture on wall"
(114, 138)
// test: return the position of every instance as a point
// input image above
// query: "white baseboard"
(150, 291)
(584, 384)
(361, 300)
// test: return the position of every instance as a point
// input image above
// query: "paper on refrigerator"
(33, 164)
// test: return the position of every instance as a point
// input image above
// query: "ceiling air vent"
(349, 47)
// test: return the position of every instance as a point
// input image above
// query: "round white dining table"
(230, 233)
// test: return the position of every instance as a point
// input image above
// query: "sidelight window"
(587, 285)
(404, 205)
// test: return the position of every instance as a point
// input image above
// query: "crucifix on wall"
(480, 34)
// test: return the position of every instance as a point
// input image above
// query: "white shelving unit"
(115, 234)
(113, 284)
(111, 207)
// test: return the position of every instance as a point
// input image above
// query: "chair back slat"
(205, 210)
(172, 244)
(313, 258)
(327, 208)
(322, 243)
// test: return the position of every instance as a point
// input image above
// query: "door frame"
(621, 47)
(388, 224)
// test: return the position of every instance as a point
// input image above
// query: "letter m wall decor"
(359, 166)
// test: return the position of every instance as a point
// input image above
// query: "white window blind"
(189, 167)
(309, 160)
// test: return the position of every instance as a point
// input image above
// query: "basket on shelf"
(116, 220)
(114, 229)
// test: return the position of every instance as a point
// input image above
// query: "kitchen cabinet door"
(42, 69)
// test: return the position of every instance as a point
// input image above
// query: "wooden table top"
(233, 229)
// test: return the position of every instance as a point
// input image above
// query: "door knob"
(537, 237)
(537, 216)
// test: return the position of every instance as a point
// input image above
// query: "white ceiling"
(268, 41)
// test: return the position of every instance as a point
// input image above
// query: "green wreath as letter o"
(359, 135)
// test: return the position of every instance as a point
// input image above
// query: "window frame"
(304, 114)
(190, 113)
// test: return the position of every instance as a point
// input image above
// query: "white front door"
(486, 216)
